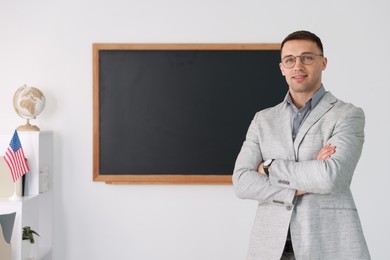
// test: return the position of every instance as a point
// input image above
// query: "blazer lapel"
(322, 107)
(286, 130)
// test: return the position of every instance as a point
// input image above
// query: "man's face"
(303, 78)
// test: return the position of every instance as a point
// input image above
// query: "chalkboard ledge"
(165, 179)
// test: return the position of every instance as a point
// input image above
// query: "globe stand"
(28, 127)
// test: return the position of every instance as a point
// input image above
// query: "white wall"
(48, 44)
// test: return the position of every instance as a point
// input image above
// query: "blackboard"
(178, 113)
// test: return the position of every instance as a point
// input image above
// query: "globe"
(29, 102)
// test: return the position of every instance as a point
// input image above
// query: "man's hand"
(326, 152)
(260, 169)
(323, 154)
(299, 193)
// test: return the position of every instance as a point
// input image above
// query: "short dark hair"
(304, 35)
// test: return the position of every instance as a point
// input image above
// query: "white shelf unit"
(35, 208)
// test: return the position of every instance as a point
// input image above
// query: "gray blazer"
(324, 224)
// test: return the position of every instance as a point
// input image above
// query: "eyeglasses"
(306, 58)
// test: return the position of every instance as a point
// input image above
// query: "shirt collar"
(313, 100)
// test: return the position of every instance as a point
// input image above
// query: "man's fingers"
(326, 152)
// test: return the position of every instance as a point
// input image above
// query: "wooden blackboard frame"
(155, 179)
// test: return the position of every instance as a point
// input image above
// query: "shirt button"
(289, 208)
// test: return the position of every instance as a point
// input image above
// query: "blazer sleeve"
(331, 175)
(247, 182)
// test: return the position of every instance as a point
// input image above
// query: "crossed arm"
(329, 172)
(323, 154)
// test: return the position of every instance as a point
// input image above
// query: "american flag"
(14, 157)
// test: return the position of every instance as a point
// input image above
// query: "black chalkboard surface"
(178, 113)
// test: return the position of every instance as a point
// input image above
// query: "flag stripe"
(15, 158)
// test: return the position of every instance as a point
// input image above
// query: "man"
(298, 161)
